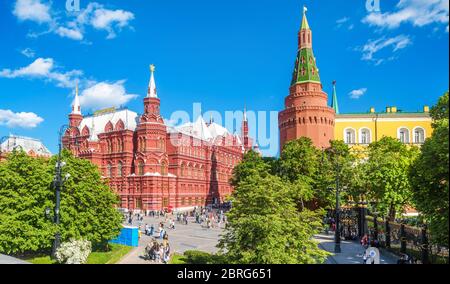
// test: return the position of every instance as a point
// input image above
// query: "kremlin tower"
(306, 112)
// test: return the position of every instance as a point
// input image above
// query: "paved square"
(192, 236)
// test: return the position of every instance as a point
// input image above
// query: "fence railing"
(403, 239)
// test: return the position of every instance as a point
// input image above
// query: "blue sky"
(224, 54)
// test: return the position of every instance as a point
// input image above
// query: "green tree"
(337, 161)
(429, 174)
(299, 158)
(24, 194)
(298, 167)
(264, 224)
(387, 175)
(88, 206)
(251, 163)
(26, 190)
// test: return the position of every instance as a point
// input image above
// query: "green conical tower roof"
(305, 69)
(334, 101)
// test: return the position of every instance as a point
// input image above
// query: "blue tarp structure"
(129, 236)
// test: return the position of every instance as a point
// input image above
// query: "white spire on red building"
(76, 108)
(245, 113)
(151, 93)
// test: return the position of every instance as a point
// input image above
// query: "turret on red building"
(151, 165)
(306, 112)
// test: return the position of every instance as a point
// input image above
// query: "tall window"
(163, 169)
(109, 170)
(119, 169)
(141, 168)
(350, 136)
(403, 135)
(419, 136)
(365, 136)
(183, 170)
(119, 145)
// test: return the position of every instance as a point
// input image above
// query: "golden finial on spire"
(152, 68)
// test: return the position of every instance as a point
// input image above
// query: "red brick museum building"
(151, 165)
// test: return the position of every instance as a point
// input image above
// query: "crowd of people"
(158, 249)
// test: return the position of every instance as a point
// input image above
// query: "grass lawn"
(178, 259)
(109, 257)
(41, 260)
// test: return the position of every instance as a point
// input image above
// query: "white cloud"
(103, 94)
(94, 15)
(417, 12)
(342, 20)
(356, 94)
(19, 119)
(105, 19)
(374, 46)
(28, 52)
(74, 34)
(44, 68)
(32, 10)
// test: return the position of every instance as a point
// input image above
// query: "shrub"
(74, 252)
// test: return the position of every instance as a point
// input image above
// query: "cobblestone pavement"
(184, 237)
(352, 252)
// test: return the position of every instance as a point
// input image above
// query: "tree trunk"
(392, 212)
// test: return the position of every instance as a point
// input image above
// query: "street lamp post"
(58, 184)
(337, 232)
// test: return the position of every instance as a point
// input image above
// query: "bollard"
(425, 245)
(402, 239)
(388, 233)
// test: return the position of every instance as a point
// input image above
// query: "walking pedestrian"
(165, 239)
(152, 229)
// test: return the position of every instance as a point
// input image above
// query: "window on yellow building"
(365, 136)
(419, 135)
(403, 135)
(350, 136)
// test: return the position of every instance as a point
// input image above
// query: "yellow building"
(359, 129)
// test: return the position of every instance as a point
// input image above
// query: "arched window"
(110, 147)
(141, 168)
(144, 142)
(403, 135)
(419, 135)
(163, 169)
(182, 170)
(120, 145)
(119, 169)
(109, 170)
(349, 136)
(364, 136)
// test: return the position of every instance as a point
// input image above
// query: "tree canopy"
(26, 190)
(386, 175)
(265, 225)
(430, 173)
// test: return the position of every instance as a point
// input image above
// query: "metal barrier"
(403, 239)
